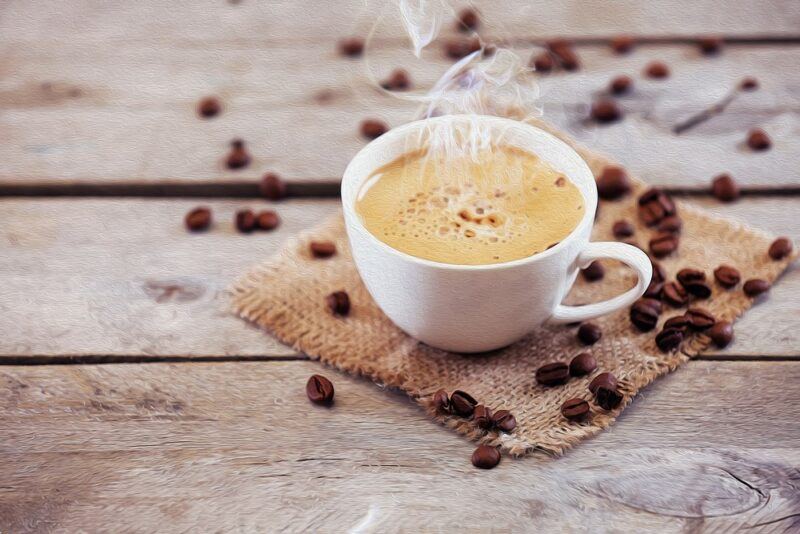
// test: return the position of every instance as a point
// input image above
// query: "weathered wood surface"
(98, 277)
(237, 446)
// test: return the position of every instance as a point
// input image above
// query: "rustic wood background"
(131, 401)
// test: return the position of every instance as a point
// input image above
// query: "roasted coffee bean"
(398, 80)
(613, 183)
(699, 319)
(552, 374)
(606, 380)
(749, 84)
(622, 44)
(542, 62)
(710, 45)
(654, 206)
(679, 322)
(724, 188)
(563, 52)
(659, 273)
(755, 286)
(607, 398)
(441, 401)
(482, 417)
(372, 129)
(656, 70)
(238, 158)
(504, 421)
(721, 334)
(267, 220)
(622, 228)
(663, 245)
(605, 110)
(245, 221)
(644, 314)
(209, 107)
(459, 48)
(780, 248)
(338, 303)
(757, 139)
(485, 457)
(594, 271)
(693, 281)
(575, 409)
(620, 85)
(674, 294)
(198, 219)
(582, 364)
(272, 187)
(589, 333)
(670, 225)
(467, 20)
(351, 47)
(462, 403)
(727, 276)
(322, 249)
(654, 290)
(700, 290)
(669, 339)
(319, 390)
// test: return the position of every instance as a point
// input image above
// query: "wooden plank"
(157, 446)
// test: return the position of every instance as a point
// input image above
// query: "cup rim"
(354, 221)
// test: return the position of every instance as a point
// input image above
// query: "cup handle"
(627, 254)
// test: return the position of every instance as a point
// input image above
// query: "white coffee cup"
(475, 308)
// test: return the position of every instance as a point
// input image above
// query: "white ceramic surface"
(475, 308)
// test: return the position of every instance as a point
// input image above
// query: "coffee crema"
(497, 205)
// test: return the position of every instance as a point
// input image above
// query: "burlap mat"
(286, 296)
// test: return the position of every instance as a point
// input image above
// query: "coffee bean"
(605, 380)
(727, 276)
(594, 271)
(656, 70)
(669, 339)
(654, 206)
(322, 249)
(721, 334)
(372, 129)
(398, 80)
(575, 409)
(238, 158)
(663, 245)
(644, 314)
(659, 273)
(589, 333)
(351, 46)
(441, 401)
(272, 187)
(755, 286)
(605, 110)
(459, 48)
(504, 421)
(679, 322)
(620, 85)
(209, 107)
(338, 303)
(607, 398)
(780, 248)
(542, 62)
(699, 319)
(758, 139)
(319, 390)
(467, 20)
(749, 84)
(622, 228)
(462, 403)
(670, 225)
(552, 374)
(674, 294)
(198, 219)
(582, 364)
(245, 221)
(267, 220)
(485, 457)
(687, 276)
(724, 188)
(482, 417)
(563, 52)
(710, 45)
(613, 183)
(654, 290)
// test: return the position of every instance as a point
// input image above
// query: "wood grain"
(237, 446)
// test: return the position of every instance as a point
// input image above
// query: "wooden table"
(131, 401)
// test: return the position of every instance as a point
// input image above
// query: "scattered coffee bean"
(322, 249)
(467, 20)
(721, 334)
(245, 221)
(656, 70)
(644, 314)
(694, 282)
(372, 129)
(209, 107)
(462, 403)
(238, 158)
(272, 187)
(485, 457)
(582, 364)
(659, 273)
(589, 333)
(319, 390)
(607, 398)
(710, 45)
(620, 85)
(622, 44)
(724, 188)
(542, 62)
(679, 322)
(613, 183)
(594, 271)
(757, 139)
(398, 80)
(198, 219)
(267, 220)
(504, 421)
(575, 409)
(674, 294)
(749, 84)
(755, 287)
(654, 290)
(459, 48)
(654, 206)
(338, 303)
(669, 339)
(441, 401)
(780, 248)
(482, 417)
(663, 245)
(351, 47)
(622, 228)
(552, 374)
(671, 225)
(563, 52)
(699, 319)
(605, 380)
(727, 276)
(605, 110)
